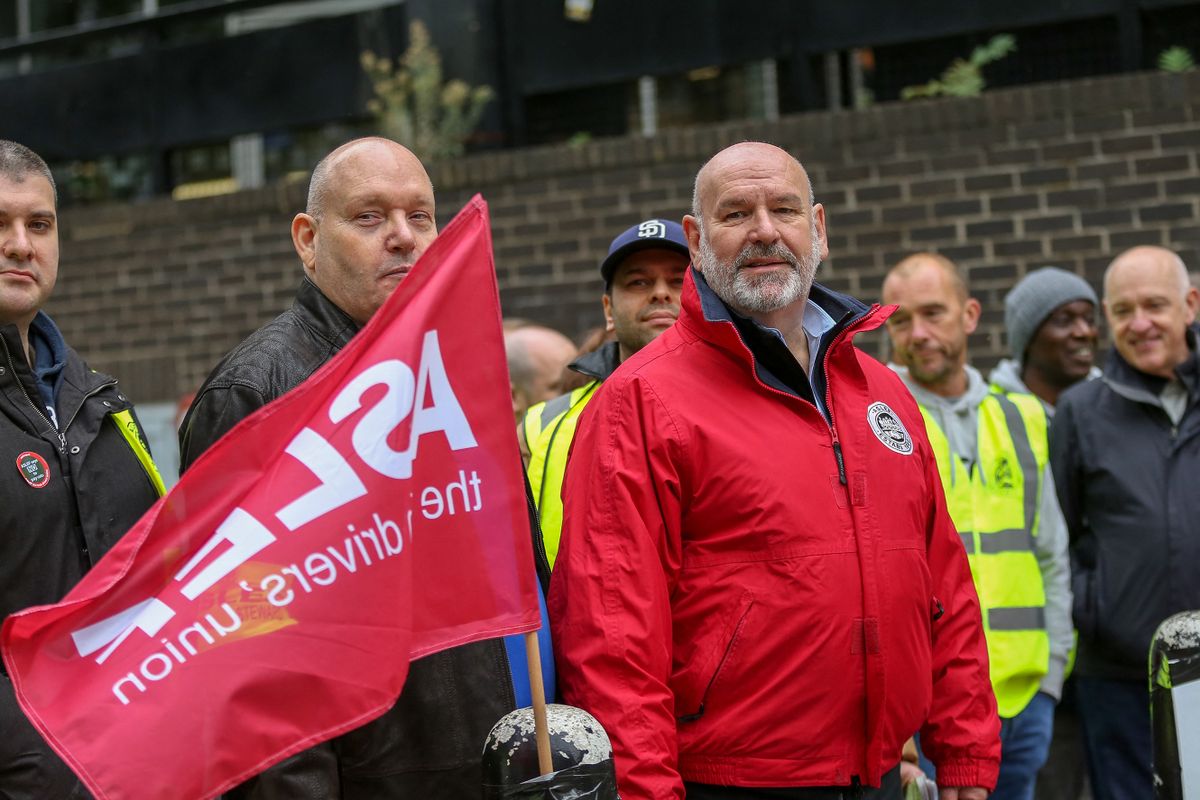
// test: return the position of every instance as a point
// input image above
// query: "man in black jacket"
(370, 215)
(76, 470)
(1126, 452)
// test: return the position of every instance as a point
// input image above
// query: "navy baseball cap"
(651, 233)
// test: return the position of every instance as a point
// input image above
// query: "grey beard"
(760, 294)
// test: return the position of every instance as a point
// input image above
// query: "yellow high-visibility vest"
(995, 507)
(549, 428)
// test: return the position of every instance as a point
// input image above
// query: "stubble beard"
(941, 371)
(633, 334)
(930, 377)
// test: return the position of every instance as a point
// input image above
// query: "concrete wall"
(1065, 174)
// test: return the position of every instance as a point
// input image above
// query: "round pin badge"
(889, 429)
(33, 469)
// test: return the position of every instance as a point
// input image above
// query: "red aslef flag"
(274, 598)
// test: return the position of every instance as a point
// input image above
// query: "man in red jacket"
(759, 592)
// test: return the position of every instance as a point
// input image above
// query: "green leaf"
(964, 77)
(415, 106)
(1176, 59)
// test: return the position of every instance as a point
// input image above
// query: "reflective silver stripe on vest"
(1009, 541)
(1013, 540)
(1017, 619)
(968, 540)
(555, 407)
(1025, 457)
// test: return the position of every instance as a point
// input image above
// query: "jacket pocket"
(1085, 607)
(693, 687)
(936, 612)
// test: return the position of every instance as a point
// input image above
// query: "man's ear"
(818, 212)
(304, 239)
(691, 229)
(1191, 304)
(609, 325)
(971, 313)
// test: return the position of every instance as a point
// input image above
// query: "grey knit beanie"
(1034, 298)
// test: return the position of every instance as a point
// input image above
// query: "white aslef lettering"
(339, 483)
(246, 537)
(371, 433)
(148, 616)
(445, 413)
(402, 398)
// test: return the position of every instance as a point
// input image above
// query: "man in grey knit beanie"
(1050, 316)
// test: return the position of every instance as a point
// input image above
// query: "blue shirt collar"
(817, 323)
(49, 358)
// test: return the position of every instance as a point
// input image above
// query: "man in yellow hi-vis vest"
(643, 276)
(993, 456)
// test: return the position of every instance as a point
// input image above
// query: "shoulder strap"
(132, 433)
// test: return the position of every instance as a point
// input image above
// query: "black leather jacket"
(429, 744)
(272, 361)
(94, 490)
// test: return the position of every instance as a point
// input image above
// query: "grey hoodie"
(1007, 376)
(958, 419)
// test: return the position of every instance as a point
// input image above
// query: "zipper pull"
(837, 453)
(62, 442)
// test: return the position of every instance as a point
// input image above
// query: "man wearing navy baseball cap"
(643, 277)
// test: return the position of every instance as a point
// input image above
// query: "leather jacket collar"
(319, 314)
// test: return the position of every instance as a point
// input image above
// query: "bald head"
(1148, 258)
(929, 329)
(918, 262)
(371, 216)
(1149, 304)
(536, 358)
(755, 233)
(739, 155)
(326, 172)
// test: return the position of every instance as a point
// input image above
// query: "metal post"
(1175, 707)
(1129, 33)
(246, 160)
(584, 765)
(857, 83)
(648, 104)
(833, 80)
(24, 28)
(770, 89)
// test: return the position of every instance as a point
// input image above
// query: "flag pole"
(538, 691)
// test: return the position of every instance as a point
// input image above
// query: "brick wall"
(1065, 174)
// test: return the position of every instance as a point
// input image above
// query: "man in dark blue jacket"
(1126, 452)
